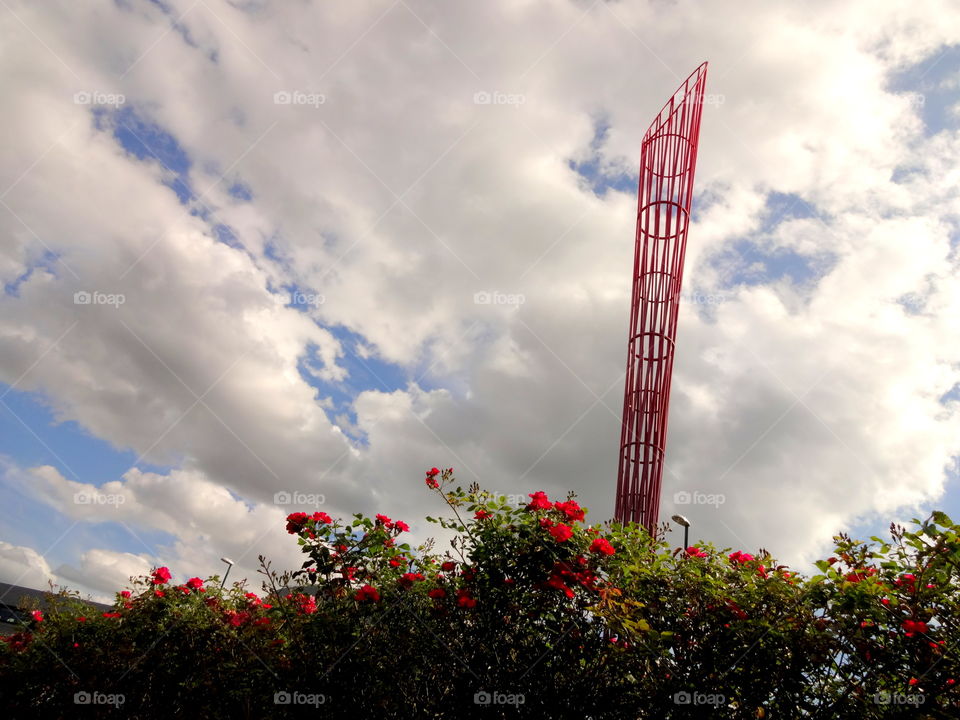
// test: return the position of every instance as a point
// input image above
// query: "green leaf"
(942, 519)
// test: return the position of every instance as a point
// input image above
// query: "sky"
(254, 252)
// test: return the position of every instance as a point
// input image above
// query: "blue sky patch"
(363, 373)
(32, 435)
(240, 191)
(47, 260)
(146, 140)
(599, 179)
(933, 86)
(756, 260)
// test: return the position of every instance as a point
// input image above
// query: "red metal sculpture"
(668, 158)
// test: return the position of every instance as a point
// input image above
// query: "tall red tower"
(668, 158)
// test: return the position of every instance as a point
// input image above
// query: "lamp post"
(229, 563)
(681, 520)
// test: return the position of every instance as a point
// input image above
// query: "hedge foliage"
(533, 613)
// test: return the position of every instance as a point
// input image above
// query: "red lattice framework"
(668, 158)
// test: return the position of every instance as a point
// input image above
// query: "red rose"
(740, 557)
(539, 501)
(296, 521)
(602, 545)
(111, 614)
(546, 522)
(395, 562)
(571, 509)
(195, 583)
(235, 618)
(158, 593)
(914, 626)
(367, 593)
(387, 522)
(348, 572)
(556, 582)
(693, 551)
(561, 533)
(401, 526)
(81, 619)
(161, 575)
(464, 600)
(482, 514)
(322, 517)
(432, 483)
(37, 615)
(306, 604)
(408, 579)
(437, 593)
(432, 472)
(125, 593)
(448, 566)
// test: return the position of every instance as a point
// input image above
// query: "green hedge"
(533, 614)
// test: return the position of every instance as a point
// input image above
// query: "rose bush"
(532, 612)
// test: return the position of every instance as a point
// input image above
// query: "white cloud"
(399, 198)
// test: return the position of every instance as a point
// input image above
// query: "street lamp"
(229, 563)
(681, 520)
